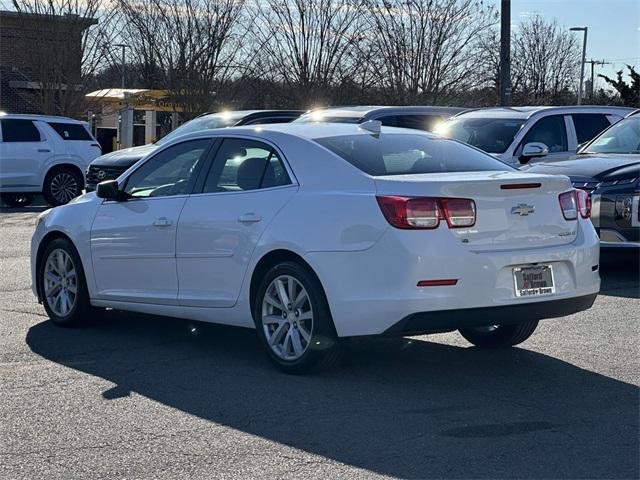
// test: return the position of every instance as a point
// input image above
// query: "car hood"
(125, 157)
(590, 166)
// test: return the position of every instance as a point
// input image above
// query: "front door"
(133, 242)
(220, 226)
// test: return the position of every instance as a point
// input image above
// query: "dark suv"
(112, 165)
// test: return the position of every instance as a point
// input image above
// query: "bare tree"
(311, 44)
(426, 49)
(191, 43)
(547, 62)
(66, 47)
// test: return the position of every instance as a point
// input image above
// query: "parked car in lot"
(311, 233)
(43, 154)
(419, 118)
(522, 135)
(608, 168)
(111, 165)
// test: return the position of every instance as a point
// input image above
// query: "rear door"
(24, 150)
(77, 141)
(245, 187)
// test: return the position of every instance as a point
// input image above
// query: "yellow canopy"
(139, 98)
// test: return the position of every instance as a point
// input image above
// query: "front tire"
(293, 320)
(18, 199)
(499, 336)
(62, 283)
(62, 185)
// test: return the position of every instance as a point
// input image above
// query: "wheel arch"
(271, 259)
(65, 164)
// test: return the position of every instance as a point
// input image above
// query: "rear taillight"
(569, 205)
(584, 203)
(426, 212)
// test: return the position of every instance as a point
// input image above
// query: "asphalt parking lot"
(134, 396)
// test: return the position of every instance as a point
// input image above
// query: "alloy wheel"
(287, 317)
(64, 187)
(60, 282)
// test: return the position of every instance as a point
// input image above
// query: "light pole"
(122, 60)
(505, 53)
(584, 55)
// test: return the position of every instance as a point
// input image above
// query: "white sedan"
(310, 233)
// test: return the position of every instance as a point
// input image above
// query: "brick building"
(40, 56)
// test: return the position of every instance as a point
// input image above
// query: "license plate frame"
(542, 277)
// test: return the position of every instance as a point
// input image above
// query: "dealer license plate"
(532, 281)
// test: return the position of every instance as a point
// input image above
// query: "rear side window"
(242, 165)
(400, 154)
(419, 122)
(71, 131)
(588, 125)
(14, 130)
(551, 131)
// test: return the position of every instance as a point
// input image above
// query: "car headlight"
(42, 217)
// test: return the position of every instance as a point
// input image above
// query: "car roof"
(307, 131)
(527, 112)
(245, 113)
(44, 118)
(365, 110)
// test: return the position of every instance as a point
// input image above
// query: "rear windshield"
(493, 135)
(402, 154)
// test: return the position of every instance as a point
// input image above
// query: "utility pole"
(505, 53)
(593, 64)
(584, 54)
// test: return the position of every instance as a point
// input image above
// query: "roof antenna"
(372, 126)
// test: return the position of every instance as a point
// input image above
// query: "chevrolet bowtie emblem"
(523, 209)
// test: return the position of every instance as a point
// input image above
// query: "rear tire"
(499, 336)
(297, 333)
(18, 199)
(62, 185)
(63, 286)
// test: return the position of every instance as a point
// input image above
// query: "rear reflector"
(584, 203)
(425, 213)
(437, 283)
(516, 186)
(569, 205)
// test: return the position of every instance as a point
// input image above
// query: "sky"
(614, 27)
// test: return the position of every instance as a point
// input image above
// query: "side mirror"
(110, 190)
(532, 150)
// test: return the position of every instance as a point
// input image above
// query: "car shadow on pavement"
(401, 407)
(620, 273)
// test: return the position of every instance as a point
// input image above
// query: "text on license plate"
(533, 280)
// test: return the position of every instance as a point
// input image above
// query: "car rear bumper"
(373, 290)
(444, 320)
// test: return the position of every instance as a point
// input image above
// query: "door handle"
(162, 222)
(249, 218)
(44, 150)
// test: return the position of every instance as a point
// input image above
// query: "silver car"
(521, 135)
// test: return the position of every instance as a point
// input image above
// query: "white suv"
(525, 135)
(43, 154)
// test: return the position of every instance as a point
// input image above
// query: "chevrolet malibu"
(313, 233)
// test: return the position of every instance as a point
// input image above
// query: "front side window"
(71, 131)
(402, 154)
(15, 130)
(493, 135)
(551, 131)
(242, 165)
(588, 125)
(623, 137)
(170, 172)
